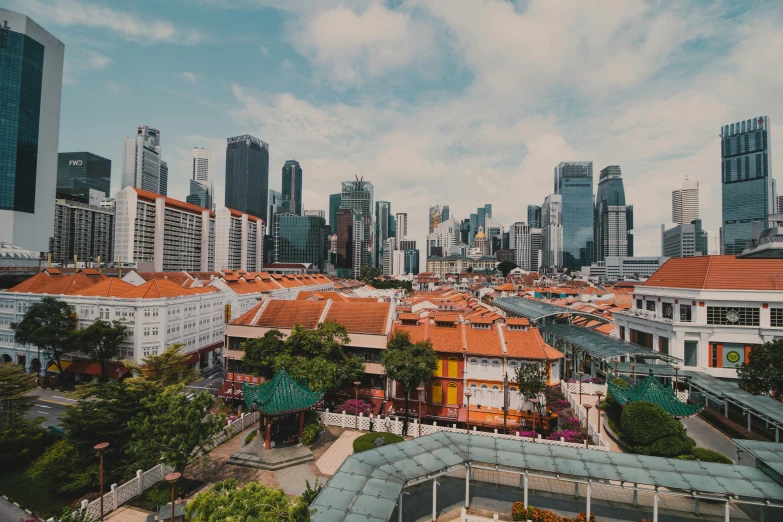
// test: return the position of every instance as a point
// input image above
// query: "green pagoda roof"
(280, 395)
(650, 390)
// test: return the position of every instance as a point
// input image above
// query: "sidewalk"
(593, 417)
(333, 458)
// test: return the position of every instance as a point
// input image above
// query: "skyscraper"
(613, 219)
(412, 261)
(574, 183)
(300, 239)
(358, 196)
(685, 202)
(383, 219)
(31, 72)
(552, 232)
(534, 216)
(247, 175)
(402, 225)
(747, 180)
(318, 213)
(435, 217)
(519, 238)
(536, 248)
(334, 204)
(292, 188)
(199, 195)
(141, 161)
(445, 213)
(80, 172)
(274, 206)
(164, 179)
(201, 185)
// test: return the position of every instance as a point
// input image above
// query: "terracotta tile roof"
(53, 282)
(518, 321)
(171, 202)
(448, 339)
(607, 328)
(479, 319)
(483, 341)
(446, 318)
(247, 317)
(238, 214)
(287, 314)
(240, 286)
(157, 288)
(529, 345)
(181, 278)
(369, 318)
(109, 287)
(409, 317)
(320, 296)
(719, 273)
(508, 287)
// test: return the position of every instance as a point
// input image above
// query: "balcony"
(647, 314)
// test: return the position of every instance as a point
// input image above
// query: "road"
(210, 382)
(49, 404)
(10, 513)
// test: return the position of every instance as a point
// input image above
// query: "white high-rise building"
(685, 203)
(519, 242)
(31, 69)
(536, 248)
(402, 225)
(388, 250)
(552, 232)
(202, 165)
(141, 162)
(398, 262)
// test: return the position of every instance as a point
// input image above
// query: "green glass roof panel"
(449, 458)
(412, 450)
(674, 480)
(654, 463)
(482, 455)
(382, 489)
(357, 467)
(483, 442)
(370, 506)
(337, 499)
(532, 309)
(592, 456)
(637, 475)
(280, 395)
(536, 448)
(347, 481)
(703, 483)
(371, 458)
(600, 345)
(507, 458)
(760, 405)
(739, 487)
(429, 462)
(649, 389)
(602, 471)
(541, 463)
(571, 467)
(439, 440)
(623, 459)
(329, 514)
(509, 445)
(363, 518)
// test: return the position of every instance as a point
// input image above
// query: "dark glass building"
(534, 216)
(346, 220)
(292, 188)
(334, 204)
(613, 224)
(574, 182)
(746, 181)
(412, 262)
(300, 239)
(78, 172)
(247, 175)
(199, 195)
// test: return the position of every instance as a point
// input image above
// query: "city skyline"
(517, 136)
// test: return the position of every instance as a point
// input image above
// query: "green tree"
(260, 353)
(531, 382)
(410, 364)
(49, 325)
(368, 274)
(172, 428)
(649, 430)
(15, 383)
(254, 502)
(506, 266)
(169, 368)
(101, 341)
(762, 373)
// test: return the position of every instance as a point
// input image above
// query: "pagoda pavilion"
(650, 390)
(280, 398)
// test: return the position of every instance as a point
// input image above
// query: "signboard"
(733, 355)
(493, 418)
(447, 412)
(241, 377)
(227, 313)
(75, 163)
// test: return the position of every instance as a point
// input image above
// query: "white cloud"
(79, 62)
(113, 87)
(188, 76)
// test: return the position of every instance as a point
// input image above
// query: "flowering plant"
(568, 435)
(533, 514)
(558, 405)
(354, 407)
(568, 422)
(528, 434)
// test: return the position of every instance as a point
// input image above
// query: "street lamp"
(587, 418)
(633, 372)
(173, 478)
(420, 389)
(99, 448)
(534, 402)
(676, 380)
(598, 406)
(581, 374)
(356, 404)
(468, 395)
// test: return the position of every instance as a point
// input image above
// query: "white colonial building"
(709, 311)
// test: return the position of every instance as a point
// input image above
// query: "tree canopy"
(254, 502)
(101, 341)
(14, 385)
(49, 325)
(762, 373)
(169, 368)
(531, 382)
(648, 430)
(506, 266)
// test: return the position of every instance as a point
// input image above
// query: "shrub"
(558, 405)
(610, 403)
(529, 434)
(568, 435)
(367, 441)
(553, 393)
(568, 422)
(354, 407)
(707, 455)
(518, 512)
(309, 433)
(649, 430)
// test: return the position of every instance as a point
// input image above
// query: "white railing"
(581, 414)
(344, 420)
(588, 388)
(232, 428)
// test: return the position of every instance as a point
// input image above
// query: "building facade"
(199, 195)
(534, 216)
(80, 172)
(141, 160)
(31, 71)
(552, 233)
(574, 183)
(359, 196)
(746, 176)
(201, 181)
(292, 188)
(685, 202)
(238, 240)
(686, 240)
(401, 219)
(334, 203)
(247, 175)
(440, 266)
(82, 231)
(301, 239)
(619, 268)
(412, 261)
(613, 234)
(519, 237)
(383, 228)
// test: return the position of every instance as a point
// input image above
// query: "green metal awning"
(769, 456)
(600, 345)
(650, 390)
(535, 310)
(280, 395)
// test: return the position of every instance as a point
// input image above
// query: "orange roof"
(518, 321)
(287, 314)
(320, 296)
(238, 214)
(369, 318)
(446, 318)
(171, 202)
(109, 287)
(54, 282)
(508, 287)
(181, 278)
(479, 319)
(251, 286)
(528, 344)
(409, 317)
(157, 288)
(483, 342)
(446, 338)
(719, 273)
(247, 317)
(606, 328)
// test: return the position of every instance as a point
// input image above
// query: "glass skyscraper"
(78, 172)
(746, 181)
(613, 219)
(384, 222)
(334, 204)
(412, 261)
(574, 182)
(534, 216)
(292, 188)
(247, 175)
(300, 239)
(358, 196)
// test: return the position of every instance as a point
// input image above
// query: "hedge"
(707, 455)
(368, 440)
(649, 430)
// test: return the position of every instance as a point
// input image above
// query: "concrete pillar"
(434, 499)
(399, 508)
(576, 489)
(749, 421)
(525, 487)
(697, 506)
(655, 506)
(588, 501)
(467, 487)
(635, 495)
(726, 408)
(114, 497)
(139, 481)
(727, 512)
(268, 435)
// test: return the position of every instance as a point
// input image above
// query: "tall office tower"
(536, 248)
(686, 240)
(464, 231)
(383, 219)
(574, 183)
(494, 232)
(318, 213)
(446, 235)
(534, 216)
(481, 218)
(389, 247)
(202, 165)
(274, 205)
(474, 224)
(747, 180)
(247, 175)
(300, 239)
(292, 187)
(346, 219)
(31, 72)
(406, 244)
(481, 242)
(402, 225)
(164, 178)
(552, 232)
(334, 204)
(199, 195)
(685, 202)
(519, 238)
(398, 263)
(80, 172)
(778, 204)
(141, 160)
(435, 217)
(488, 210)
(81, 230)
(359, 195)
(613, 235)
(445, 213)
(412, 261)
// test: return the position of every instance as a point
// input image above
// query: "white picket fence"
(581, 414)
(118, 495)
(362, 423)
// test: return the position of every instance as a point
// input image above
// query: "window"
(663, 345)
(714, 349)
(651, 306)
(453, 367)
(639, 304)
(437, 392)
(685, 313)
(667, 310)
(731, 316)
(776, 317)
(452, 394)
(691, 351)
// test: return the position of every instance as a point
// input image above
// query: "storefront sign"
(492, 418)
(448, 412)
(241, 377)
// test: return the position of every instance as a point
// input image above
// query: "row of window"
(718, 315)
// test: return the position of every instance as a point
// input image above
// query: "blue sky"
(457, 102)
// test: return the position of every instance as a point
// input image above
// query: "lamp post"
(100, 448)
(581, 374)
(173, 478)
(420, 389)
(676, 380)
(356, 404)
(598, 408)
(587, 418)
(633, 372)
(534, 402)
(468, 395)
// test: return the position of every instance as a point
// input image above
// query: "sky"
(457, 102)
